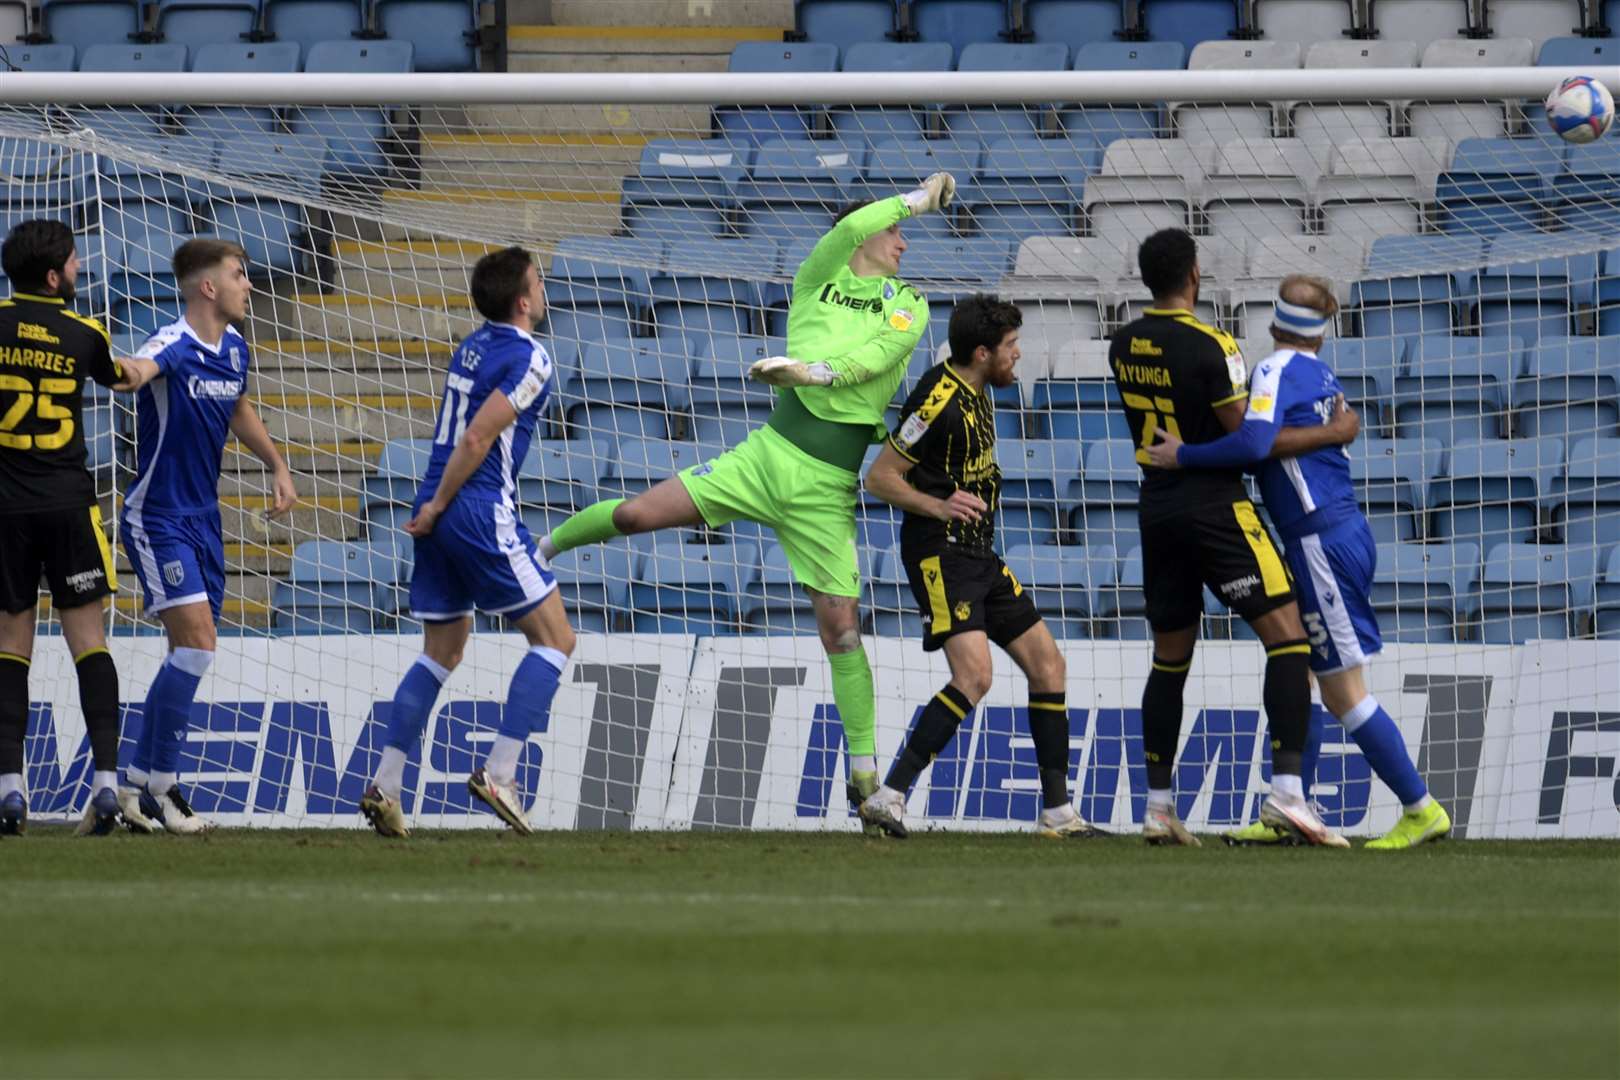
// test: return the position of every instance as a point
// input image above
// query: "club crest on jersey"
(888, 290)
(236, 358)
(174, 573)
(901, 320)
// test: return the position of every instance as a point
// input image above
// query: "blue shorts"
(179, 558)
(1333, 574)
(481, 556)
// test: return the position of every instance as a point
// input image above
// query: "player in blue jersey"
(191, 378)
(1328, 544)
(472, 550)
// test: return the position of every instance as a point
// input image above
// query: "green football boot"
(1259, 834)
(862, 786)
(1415, 827)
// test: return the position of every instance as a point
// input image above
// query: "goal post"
(1476, 258)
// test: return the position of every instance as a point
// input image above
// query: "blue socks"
(167, 712)
(1312, 753)
(1381, 744)
(528, 706)
(413, 704)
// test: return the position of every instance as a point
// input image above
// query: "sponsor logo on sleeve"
(1238, 371)
(913, 429)
(901, 320)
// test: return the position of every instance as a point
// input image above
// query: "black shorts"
(66, 547)
(958, 593)
(1222, 545)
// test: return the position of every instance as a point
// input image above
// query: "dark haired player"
(940, 468)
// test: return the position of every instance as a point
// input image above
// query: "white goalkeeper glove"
(786, 371)
(936, 193)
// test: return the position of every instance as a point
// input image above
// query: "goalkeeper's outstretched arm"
(831, 253)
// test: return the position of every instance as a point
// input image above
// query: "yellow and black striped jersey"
(948, 428)
(1171, 372)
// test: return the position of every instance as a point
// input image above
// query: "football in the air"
(1580, 109)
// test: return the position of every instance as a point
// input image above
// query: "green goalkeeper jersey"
(864, 328)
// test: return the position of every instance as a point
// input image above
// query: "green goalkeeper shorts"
(809, 503)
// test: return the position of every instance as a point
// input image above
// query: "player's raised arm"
(249, 429)
(832, 252)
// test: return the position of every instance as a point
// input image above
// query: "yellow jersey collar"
(57, 300)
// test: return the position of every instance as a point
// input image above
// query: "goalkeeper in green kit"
(852, 328)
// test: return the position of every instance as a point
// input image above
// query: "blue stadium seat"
(1420, 592)
(1498, 185)
(563, 473)
(1075, 23)
(308, 22)
(1608, 294)
(594, 581)
(441, 32)
(714, 287)
(959, 23)
(1572, 389)
(1366, 368)
(53, 175)
(1531, 591)
(1189, 21)
(898, 163)
(1392, 478)
(1606, 609)
(1083, 409)
(773, 57)
(877, 528)
(1578, 51)
(1587, 510)
(726, 403)
(598, 287)
(1067, 584)
(1031, 187)
(995, 121)
(83, 23)
(875, 122)
(683, 188)
(847, 24)
(237, 57)
(1123, 121)
(274, 232)
(393, 484)
(1034, 475)
(1410, 286)
(1492, 491)
(1589, 191)
(777, 603)
(57, 57)
(1120, 611)
(956, 265)
(685, 588)
(795, 187)
(337, 587)
(354, 136)
(893, 608)
(1535, 298)
(125, 121)
(195, 23)
(632, 389)
(1457, 388)
(641, 463)
(1104, 499)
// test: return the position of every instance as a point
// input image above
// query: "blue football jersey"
(183, 418)
(1312, 492)
(496, 358)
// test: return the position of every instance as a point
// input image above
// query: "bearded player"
(853, 325)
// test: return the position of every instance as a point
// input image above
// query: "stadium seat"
(1458, 121)
(893, 608)
(1606, 609)
(594, 581)
(1045, 261)
(1412, 283)
(1587, 499)
(1534, 20)
(726, 403)
(1190, 22)
(1608, 313)
(125, 121)
(846, 24)
(777, 58)
(1421, 592)
(1531, 591)
(235, 121)
(1533, 299)
(337, 587)
(58, 57)
(354, 136)
(274, 232)
(714, 287)
(387, 492)
(1419, 21)
(641, 463)
(996, 121)
(1392, 478)
(1588, 194)
(1309, 22)
(1578, 51)
(1252, 296)
(1074, 23)
(1120, 612)
(1366, 368)
(563, 473)
(683, 188)
(1457, 389)
(897, 163)
(1051, 324)
(959, 23)
(1221, 123)
(14, 21)
(1125, 120)
(1346, 123)
(307, 22)
(1033, 475)
(54, 176)
(796, 186)
(1572, 388)
(599, 287)
(83, 23)
(685, 588)
(1067, 584)
(1378, 186)
(875, 122)
(1257, 188)
(1031, 187)
(1144, 185)
(195, 23)
(1492, 491)
(1104, 502)
(953, 266)
(441, 32)
(632, 389)
(1498, 185)
(777, 603)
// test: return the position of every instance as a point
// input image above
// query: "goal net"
(1475, 256)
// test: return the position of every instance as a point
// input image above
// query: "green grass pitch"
(338, 954)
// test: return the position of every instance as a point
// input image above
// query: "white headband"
(1297, 319)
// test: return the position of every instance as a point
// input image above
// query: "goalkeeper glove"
(936, 193)
(785, 371)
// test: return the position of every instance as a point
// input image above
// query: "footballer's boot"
(1161, 827)
(13, 814)
(862, 786)
(1415, 827)
(1298, 818)
(131, 803)
(384, 813)
(1065, 823)
(1259, 834)
(884, 811)
(501, 798)
(174, 812)
(101, 814)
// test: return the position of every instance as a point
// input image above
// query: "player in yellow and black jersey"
(50, 525)
(1176, 374)
(939, 466)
